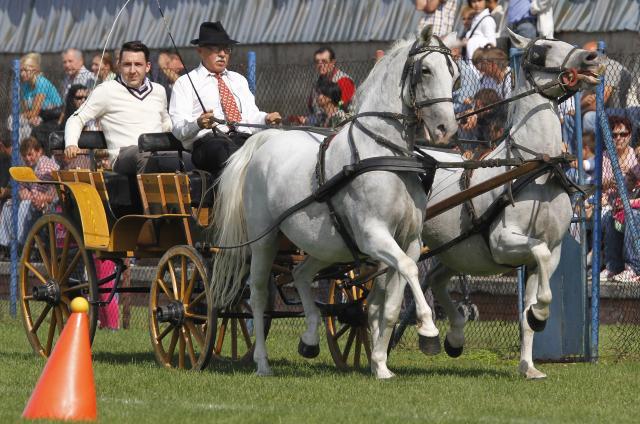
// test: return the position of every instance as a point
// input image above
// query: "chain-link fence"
(489, 303)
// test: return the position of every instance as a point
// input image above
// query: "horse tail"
(229, 225)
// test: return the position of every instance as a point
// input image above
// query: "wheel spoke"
(197, 299)
(41, 318)
(183, 275)
(172, 344)
(340, 332)
(52, 332)
(65, 251)
(35, 272)
(164, 332)
(174, 283)
(195, 331)
(71, 267)
(43, 254)
(221, 333)
(196, 316)
(163, 286)
(245, 333)
(356, 352)
(187, 338)
(53, 249)
(347, 347)
(75, 288)
(234, 338)
(181, 349)
(189, 290)
(58, 312)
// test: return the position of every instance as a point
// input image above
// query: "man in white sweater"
(126, 107)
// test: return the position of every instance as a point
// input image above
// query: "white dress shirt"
(185, 108)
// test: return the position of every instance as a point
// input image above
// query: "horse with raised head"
(529, 231)
(381, 212)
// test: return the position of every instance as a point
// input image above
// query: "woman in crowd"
(106, 70)
(328, 99)
(41, 104)
(483, 28)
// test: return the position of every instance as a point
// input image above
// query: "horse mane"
(380, 66)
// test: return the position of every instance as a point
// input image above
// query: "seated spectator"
(617, 80)
(493, 65)
(102, 70)
(41, 104)
(484, 123)
(34, 199)
(618, 245)
(76, 73)
(76, 96)
(588, 159)
(169, 69)
(482, 31)
(329, 101)
(520, 19)
(621, 133)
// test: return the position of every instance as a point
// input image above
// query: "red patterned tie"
(229, 107)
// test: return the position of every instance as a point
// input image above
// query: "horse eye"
(426, 71)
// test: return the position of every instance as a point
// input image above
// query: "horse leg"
(384, 248)
(309, 345)
(375, 304)
(454, 340)
(388, 315)
(534, 281)
(262, 255)
(546, 262)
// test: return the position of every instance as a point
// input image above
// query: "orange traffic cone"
(66, 389)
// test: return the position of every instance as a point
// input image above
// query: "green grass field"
(478, 387)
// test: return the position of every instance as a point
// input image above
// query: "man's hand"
(470, 123)
(272, 118)
(205, 121)
(71, 152)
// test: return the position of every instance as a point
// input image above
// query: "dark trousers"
(131, 161)
(210, 152)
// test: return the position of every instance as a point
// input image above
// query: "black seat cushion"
(124, 196)
(197, 187)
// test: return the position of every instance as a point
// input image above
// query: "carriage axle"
(49, 292)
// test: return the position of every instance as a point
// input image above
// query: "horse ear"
(518, 40)
(425, 35)
(451, 40)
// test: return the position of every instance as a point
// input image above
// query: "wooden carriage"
(102, 215)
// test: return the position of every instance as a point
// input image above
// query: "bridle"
(534, 58)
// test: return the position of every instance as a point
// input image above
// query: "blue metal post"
(251, 71)
(597, 226)
(15, 161)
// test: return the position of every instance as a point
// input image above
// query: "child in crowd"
(483, 28)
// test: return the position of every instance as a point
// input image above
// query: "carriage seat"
(122, 190)
(198, 180)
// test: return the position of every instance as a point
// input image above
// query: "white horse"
(529, 232)
(381, 211)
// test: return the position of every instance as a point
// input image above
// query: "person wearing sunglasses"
(209, 94)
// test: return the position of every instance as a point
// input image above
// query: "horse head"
(429, 78)
(556, 68)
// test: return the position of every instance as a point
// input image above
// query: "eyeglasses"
(623, 134)
(218, 49)
(322, 61)
(79, 97)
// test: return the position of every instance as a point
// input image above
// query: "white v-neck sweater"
(123, 116)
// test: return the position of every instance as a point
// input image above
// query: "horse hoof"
(429, 345)
(308, 351)
(535, 324)
(453, 352)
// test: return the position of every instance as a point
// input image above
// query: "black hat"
(212, 33)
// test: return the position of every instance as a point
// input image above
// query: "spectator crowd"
(486, 78)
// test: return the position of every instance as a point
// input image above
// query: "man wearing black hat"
(211, 91)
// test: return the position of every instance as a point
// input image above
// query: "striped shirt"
(441, 19)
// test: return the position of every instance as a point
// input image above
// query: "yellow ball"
(79, 304)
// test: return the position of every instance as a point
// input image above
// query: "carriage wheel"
(55, 267)
(234, 339)
(180, 312)
(348, 333)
